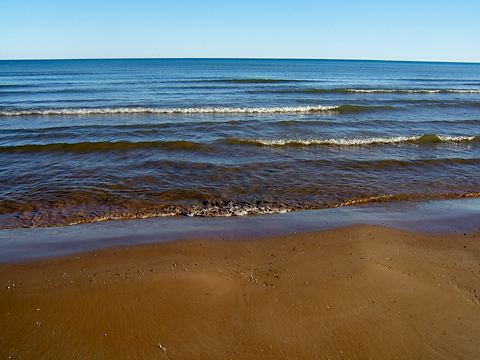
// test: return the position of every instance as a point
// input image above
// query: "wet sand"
(361, 291)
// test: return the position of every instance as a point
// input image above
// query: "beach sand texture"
(358, 292)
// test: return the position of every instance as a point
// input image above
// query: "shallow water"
(439, 216)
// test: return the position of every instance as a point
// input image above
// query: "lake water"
(90, 140)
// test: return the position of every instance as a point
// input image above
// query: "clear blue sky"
(337, 29)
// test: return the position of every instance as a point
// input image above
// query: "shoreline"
(439, 216)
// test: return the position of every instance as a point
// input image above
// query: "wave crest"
(389, 91)
(109, 146)
(419, 139)
(186, 145)
(168, 111)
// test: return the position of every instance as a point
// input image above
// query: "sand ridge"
(359, 292)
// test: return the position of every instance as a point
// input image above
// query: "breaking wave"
(167, 111)
(392, 91)
(214, 147)
(255, 81)
(420, 139)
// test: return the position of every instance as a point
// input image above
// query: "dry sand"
(360, 292)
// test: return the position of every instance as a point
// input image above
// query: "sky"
(421, 30)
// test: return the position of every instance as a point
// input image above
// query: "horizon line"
(239, 58)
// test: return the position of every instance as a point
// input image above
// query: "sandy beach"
(356, 292)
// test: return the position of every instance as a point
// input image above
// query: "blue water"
(89, 140)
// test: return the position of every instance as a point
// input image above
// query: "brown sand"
(361, 292)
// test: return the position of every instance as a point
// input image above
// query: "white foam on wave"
(227, 210)
(166, 111)
(233, 210)
(416, 91)
(372, 91)
(339, 142)
(465, 91)
(456, 138)
(354, 141)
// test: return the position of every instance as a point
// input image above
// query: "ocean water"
(90, 140)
